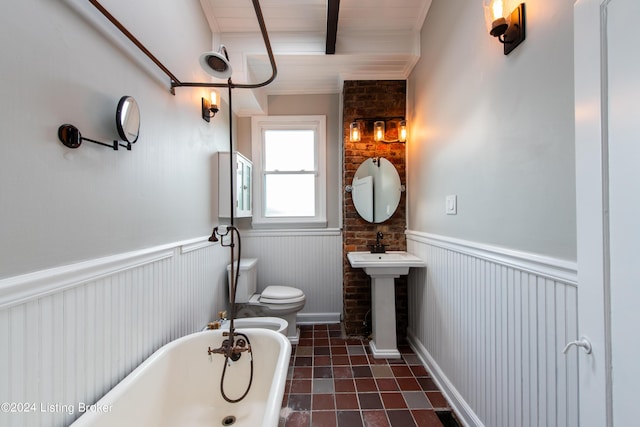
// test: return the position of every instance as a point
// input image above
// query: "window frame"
(261, 124)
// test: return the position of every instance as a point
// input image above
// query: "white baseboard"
(461, 408)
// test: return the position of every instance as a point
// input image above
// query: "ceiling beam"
(333, 6)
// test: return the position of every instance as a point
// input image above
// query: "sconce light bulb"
(214, 99)
(354, 134)
(402, 134)
(210, 106)
(378, 131)
(495, 19)
(498, 9)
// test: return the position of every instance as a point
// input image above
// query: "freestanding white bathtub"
(179, 385)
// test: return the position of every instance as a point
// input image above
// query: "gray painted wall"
(60, 205)
(495, 130)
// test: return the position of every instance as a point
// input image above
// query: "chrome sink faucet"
(378, 248)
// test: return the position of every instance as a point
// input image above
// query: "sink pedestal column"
(383, 269)
(383, 312)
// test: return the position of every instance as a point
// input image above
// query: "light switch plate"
(451, 204)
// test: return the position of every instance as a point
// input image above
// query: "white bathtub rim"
(271, 414)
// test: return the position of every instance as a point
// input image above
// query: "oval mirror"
(376, 190)
(128, 119)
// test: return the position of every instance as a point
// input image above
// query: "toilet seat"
(275, 294)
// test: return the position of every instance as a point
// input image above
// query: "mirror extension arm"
(71, 137)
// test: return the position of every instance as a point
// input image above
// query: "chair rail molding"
(549, 267)
(20, 289)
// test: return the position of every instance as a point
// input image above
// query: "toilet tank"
(247, 281)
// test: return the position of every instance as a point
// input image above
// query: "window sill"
(288, 223)
(292, 232)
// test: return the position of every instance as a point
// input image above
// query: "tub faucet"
(378, 248)
(232, 350)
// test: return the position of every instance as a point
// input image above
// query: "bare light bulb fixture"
(377, 128)
(378, 131)
(508, 28)
(498, 22)
(354, 132)
(210, 106)
(402, 131)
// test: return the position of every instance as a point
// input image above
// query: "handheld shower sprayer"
(220, 231)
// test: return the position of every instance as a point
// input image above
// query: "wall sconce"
(210, 107)
(354, 132)
(402, 131)
(509, 29)
(378, 127)
(378, 131)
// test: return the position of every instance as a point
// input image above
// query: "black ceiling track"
(175, 82)
(333, 6)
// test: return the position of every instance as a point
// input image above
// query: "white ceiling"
(376, 39)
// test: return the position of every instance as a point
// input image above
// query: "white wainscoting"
(310, 260)
(491, 325)
(69, 334)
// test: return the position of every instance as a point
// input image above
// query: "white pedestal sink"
(383, 269)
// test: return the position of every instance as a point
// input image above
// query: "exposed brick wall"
(375, 98)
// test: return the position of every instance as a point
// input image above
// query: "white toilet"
(275, 301)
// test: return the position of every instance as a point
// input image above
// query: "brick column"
(371, 98)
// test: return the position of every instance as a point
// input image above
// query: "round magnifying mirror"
(128, 119)
(376, 190)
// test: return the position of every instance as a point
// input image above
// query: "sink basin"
(383, 269)
(387, 259)
(389, 263)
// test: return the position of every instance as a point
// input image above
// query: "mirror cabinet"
(242, 202)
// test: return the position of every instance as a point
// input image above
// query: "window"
(289, 168)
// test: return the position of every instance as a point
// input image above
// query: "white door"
(607, 71)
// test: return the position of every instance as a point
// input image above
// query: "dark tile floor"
(334, 381)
